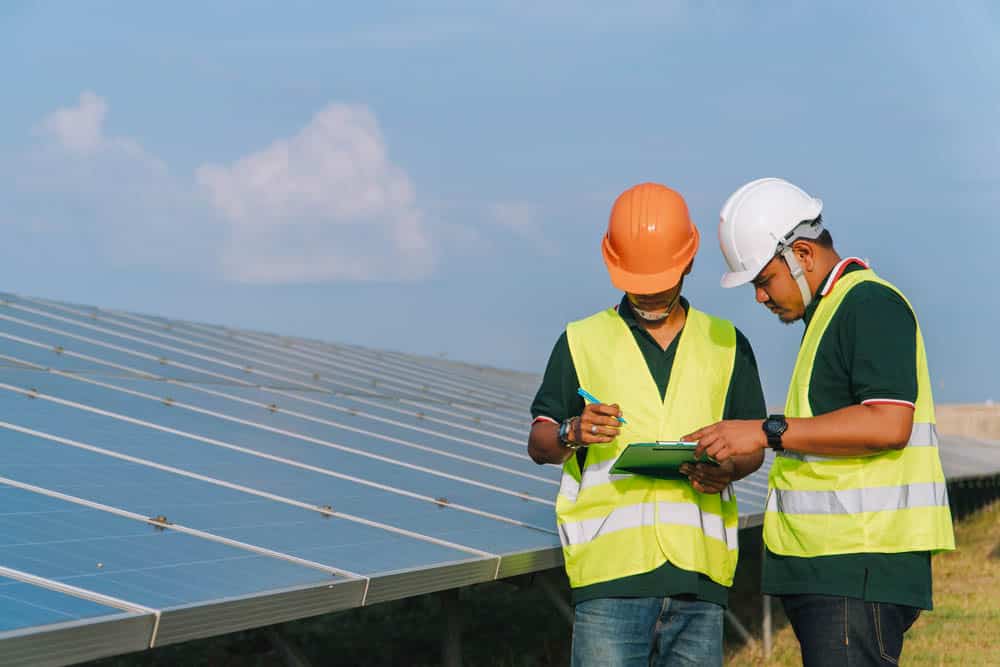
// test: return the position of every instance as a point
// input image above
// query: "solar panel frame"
(77, 641)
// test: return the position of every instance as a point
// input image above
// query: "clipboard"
(658, 459)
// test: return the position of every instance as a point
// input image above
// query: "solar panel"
(163, 480)
(25, 605)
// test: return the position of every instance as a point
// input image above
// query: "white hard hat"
(760, 220)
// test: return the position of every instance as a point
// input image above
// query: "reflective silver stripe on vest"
(569, 488)
(923, 434)
(686, 514)
(593, 475)
(855, 501)
(647, 514)
(585, 531)
(598, 474)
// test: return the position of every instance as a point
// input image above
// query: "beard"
(784, 315)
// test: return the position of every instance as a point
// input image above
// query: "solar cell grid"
(229, 513)
(128, 559)
(25, 605)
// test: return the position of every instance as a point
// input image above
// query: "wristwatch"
(565, 433)
(774, 427)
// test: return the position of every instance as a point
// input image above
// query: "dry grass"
(963, 629)
(973, 421)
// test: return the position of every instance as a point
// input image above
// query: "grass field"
(963, 629)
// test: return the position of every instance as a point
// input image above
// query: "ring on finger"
(593, 429)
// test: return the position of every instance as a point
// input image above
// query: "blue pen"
(593, 399)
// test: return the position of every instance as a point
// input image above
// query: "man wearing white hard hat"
(857, 499)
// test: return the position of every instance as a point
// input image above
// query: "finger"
(699, 474)
(601, 435)
(711, 488)
(713, 480)
(704, 438)
(710, 471)
(606, 409)
(720, 452)
(595, 427)
(701, 433)
(593, 415)
(696, 436)
(602, 420)
(707, 439)
(713, 444)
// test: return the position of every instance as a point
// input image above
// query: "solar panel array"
(162, 480)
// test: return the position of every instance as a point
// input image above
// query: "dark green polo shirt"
(868, 353)
(557, 399)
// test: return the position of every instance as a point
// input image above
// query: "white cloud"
(80, 128)
(522, 219)
(325, 204)
(103, 194)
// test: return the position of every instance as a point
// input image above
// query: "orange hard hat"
(650, 240)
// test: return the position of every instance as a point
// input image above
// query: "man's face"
(777, 290)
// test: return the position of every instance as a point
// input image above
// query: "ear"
(690, 266)
(805, 252)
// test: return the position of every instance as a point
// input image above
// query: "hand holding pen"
(600, 422)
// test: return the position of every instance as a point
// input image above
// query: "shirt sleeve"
(878, 336)
(745, 399)
(557, 399)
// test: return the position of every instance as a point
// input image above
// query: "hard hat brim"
(648, 283)
(644, 283)
(737, 278)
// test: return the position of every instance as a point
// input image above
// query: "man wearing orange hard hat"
(649, 559)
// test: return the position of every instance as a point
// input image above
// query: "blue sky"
(436, 177)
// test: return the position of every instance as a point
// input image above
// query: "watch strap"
(565, 434)
(774, 434)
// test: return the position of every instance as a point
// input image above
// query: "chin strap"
(809, 229)
(658, 317)
(798, 274)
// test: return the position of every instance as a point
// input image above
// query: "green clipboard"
(658, 459)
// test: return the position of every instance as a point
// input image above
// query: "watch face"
(773, 426)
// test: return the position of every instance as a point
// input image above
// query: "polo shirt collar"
(846, 265)
(839, 271)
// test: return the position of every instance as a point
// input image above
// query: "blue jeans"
(639, 632)
(838, 631)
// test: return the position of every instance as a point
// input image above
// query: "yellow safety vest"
(613, 526)
(890, 502)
